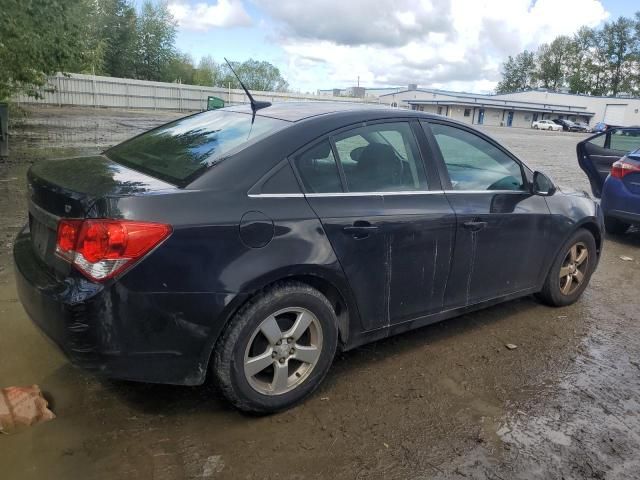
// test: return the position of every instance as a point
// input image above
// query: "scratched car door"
(392, 234)
(502, 228)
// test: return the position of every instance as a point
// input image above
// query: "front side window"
(178, 151)
(625, 140)
(599, 140)
(381, 158)
(475, 164)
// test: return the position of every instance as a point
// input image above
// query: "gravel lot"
(446, 401)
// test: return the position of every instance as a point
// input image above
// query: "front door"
(501, 227)
(596, 154)
(391, 233)
(481, 116)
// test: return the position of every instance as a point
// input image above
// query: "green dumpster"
(214, 102)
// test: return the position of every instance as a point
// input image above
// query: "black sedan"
(256, 245)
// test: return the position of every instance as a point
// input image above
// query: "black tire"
(229, 354)
(614, 226)
(551, 293)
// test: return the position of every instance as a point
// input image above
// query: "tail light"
(624, 167)
(102, 248)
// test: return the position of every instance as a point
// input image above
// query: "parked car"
(611, 161)
(568, 125)
(581, 127)
(256, 244)
(546, 125)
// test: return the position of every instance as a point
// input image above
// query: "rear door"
(387, 220)
(596, 154)
(501, 227)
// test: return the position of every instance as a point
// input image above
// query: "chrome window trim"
(276, 195)
(374, 194)
(378, 194)
(488, 191)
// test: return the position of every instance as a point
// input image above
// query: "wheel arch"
(589, 224)
(325, 280)
(592, 227)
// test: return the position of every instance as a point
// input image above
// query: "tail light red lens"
(102, 248)
(624, 167)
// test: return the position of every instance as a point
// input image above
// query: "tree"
(118, 31)
(208, 72)
(580, 67)
(180, 69)
(518, 73)
(156, 33)
(37, 39)
(620, 46)
(552, 62)
(256, 75)
(603, 61)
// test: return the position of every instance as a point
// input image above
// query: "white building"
(368, 92)
(519, 109)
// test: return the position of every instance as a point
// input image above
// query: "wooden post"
(4, 130)
(58, 92)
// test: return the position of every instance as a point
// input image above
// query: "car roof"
(297, 111)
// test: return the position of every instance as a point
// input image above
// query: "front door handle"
(360, 229)
(474, 226)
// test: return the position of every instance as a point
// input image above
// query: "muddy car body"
(280, 239)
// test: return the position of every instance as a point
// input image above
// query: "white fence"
(96, 91)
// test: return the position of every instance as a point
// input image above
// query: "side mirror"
(542, 185)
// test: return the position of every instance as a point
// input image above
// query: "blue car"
(600, 127)
(611, 160)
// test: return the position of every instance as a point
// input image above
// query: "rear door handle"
(474, 226)
(360, 231)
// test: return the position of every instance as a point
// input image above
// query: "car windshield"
(180, 151)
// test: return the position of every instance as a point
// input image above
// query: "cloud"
(388, 23)
(204, 16)
(458, 44)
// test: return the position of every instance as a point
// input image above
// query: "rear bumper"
(142, 336)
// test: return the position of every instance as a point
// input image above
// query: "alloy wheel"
(574, 268)
(283, 351)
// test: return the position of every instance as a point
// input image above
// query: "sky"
(449, 44)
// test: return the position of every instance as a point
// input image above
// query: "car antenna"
(255, 104)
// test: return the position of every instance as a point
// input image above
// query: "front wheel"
(571, 271)
(277, 349)
(613, 226)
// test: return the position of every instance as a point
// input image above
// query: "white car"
(546, 125)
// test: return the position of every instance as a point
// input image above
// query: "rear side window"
(381, 158)
(180, 151)
(318, 170)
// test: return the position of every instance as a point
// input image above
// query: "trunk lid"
(70, 188)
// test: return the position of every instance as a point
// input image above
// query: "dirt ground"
(446, 401)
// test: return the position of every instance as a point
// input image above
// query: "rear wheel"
(277, 348)
(571, 271)
(614, 226)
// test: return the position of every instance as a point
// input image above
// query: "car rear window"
(180, 151)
